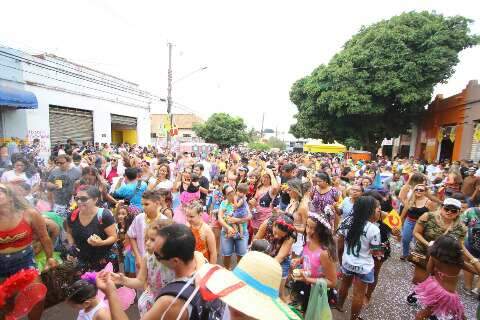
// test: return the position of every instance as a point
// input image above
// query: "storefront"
(440, 130)
(14, 102)
(124, 129)
(71, 102)
(69, 123)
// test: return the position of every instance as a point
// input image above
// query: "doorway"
(446, 149)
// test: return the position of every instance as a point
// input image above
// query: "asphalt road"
(388, 301)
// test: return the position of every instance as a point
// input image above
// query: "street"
(388, 302)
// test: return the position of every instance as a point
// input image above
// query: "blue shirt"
(128, 191)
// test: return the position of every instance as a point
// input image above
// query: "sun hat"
(452, 203)
(251, 288)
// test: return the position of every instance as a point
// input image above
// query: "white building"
(53, 99)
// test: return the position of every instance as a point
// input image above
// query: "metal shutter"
(123, 122)
(69, 123)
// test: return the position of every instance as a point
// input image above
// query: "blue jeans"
(407, 235)
(234, 244)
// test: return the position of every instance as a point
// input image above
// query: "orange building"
(445, 130)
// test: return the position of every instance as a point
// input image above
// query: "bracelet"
(474, 260)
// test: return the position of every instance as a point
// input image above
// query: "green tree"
(222, 129)
(274, 142)
(379, 83)
(258, 146)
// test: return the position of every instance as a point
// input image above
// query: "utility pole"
(169, 94)
(261, 131)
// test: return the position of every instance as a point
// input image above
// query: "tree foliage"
(222, 129)
(258, 146)
(274, 142)
(379, 83)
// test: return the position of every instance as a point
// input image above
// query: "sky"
(253, 50)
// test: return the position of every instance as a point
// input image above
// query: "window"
(187, 135)
(153, 135)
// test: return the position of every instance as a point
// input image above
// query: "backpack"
(201, 309)
(474, 233)
(74, 215)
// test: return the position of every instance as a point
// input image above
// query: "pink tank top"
(311, 261)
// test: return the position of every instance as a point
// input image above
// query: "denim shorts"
(366, 278)
(14, 262)
(232, 245)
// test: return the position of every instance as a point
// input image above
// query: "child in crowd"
(318, 260)
(241, 209)
(125, 216)
(204, 237)
(284, 235)
(152, 275)
(82, 296)
(214, 200)
(137, 230)
(438, 294)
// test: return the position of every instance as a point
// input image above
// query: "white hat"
(253, 286)
(452, 202)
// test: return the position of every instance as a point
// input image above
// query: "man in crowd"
(61, 182)
(133, 188)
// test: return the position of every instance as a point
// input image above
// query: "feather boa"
(16, 283)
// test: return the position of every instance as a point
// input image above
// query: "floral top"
(158, 275)
(319, 201)
(432, 231)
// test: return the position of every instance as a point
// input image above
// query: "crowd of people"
(235, 234)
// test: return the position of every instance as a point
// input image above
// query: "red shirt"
(113, 173)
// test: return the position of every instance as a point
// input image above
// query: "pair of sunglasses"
(453, 210)
(82, 199)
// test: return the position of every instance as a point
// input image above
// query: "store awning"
(17, 98)
(325, 148)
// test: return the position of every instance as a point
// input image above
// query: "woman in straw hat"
(251, 288)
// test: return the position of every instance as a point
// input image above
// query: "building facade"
(73, 102)
(183, 122)
(448, 128)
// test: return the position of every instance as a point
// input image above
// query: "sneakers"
(412, 299)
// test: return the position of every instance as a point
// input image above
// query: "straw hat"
(259, 296)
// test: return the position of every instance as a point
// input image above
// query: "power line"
(76, 84)
(103, 82)
(72, 68)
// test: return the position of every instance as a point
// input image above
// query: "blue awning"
(17, 98)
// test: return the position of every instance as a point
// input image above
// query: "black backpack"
(201, 309)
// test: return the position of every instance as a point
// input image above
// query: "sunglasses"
(453, 210)
(82, 199)
(61, 162)
(419, 190)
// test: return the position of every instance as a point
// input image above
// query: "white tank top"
(82, 315)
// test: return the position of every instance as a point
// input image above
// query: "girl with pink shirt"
(317, 261)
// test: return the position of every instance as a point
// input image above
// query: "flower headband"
(320, 219)
(285, 224)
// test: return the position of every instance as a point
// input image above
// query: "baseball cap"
(450, 202)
